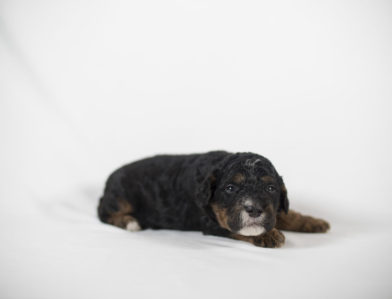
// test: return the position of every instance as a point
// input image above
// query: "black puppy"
(240, 196)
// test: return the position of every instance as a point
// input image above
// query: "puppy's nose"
(252, 211)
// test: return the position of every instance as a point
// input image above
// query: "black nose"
(252, 211)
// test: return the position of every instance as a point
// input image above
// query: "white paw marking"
(133, 226)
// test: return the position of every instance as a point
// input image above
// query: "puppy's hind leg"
(118, 215)
(125, 221)
(132, 224)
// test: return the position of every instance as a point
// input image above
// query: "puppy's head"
(248, 193)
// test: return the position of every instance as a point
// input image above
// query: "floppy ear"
(283, 200)
(206, 176)
(205, 187)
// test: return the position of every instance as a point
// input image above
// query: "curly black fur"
(203, 192)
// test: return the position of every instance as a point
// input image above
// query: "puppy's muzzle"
(252, 211)
(259, 215)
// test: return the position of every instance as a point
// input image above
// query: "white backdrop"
(87, 86)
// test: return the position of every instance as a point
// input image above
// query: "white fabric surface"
(88, 86)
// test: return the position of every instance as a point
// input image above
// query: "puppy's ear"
(283, 200)
(207, 174)
(205, 187)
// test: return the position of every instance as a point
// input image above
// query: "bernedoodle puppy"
(239, 196)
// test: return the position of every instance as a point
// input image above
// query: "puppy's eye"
(230, 188)
(270, 189)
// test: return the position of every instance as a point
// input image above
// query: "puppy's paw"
(271, 239)
(133, 226)
(315, 225)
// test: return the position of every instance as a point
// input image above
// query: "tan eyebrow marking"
(239, 178)
(267, 179)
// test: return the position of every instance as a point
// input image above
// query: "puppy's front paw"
(271, 239)
(315, 225)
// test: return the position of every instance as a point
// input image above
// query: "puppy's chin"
(251, 230)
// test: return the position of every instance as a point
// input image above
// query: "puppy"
(235, 195)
